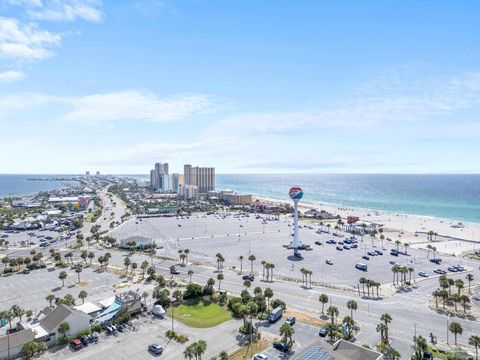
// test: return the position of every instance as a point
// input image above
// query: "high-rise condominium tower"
(203, 177)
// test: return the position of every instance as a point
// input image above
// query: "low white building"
(11, 345)
(49, 324)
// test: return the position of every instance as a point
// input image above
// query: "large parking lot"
(30, 290)
(234, 236)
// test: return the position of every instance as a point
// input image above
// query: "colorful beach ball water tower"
(296, 194)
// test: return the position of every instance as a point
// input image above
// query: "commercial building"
(231, 197)
(128, 302)
(47, 329)
(341, 350)
(11, 345)
(188, 192)
(203, 177)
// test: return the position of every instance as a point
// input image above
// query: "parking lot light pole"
(448, 318)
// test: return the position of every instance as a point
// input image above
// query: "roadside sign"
(3, 322)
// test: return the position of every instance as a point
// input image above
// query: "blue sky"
(246, 86)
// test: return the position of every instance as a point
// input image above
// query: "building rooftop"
(16, 339)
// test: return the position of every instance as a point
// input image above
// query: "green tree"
(219, 278)
(474, 340)
(469, 278)
(352, 305)
(332, 311)
(190, 273)
(287, 332)
(64, 328)
(251, 258)
(323, 298)
(50, 299)
(83, 295)
(78, 270)
(62, 276)
(268, 293)
(455, 328)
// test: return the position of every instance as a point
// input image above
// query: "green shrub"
(214, 298)
(96, 328)
(181, 339)
(7, 270)
(84, 332)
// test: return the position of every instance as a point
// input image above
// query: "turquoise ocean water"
(454, 197)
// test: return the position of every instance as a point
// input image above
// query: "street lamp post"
(448, 318)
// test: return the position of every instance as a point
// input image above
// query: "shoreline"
(405, 227)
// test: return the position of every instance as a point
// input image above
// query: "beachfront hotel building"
(203, 177)
(160, 180)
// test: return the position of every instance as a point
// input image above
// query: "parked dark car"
(248, 277)
(281, 346)
(290, 320)
(322, 332)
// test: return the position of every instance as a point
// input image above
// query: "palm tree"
(469, 278)
(323, 298)
(200, 348)
(189, 352)
(134, 267)
(459, 285)
(332, 311)
(91, 255)
(64, 328)
(127, 263)
(186, 252)
(352, 305)
(464, 299)
(456, 329)
(219, 278)
(83, 295)
(251, 258)
(190, 273)
(363, 281)
(247, 283)
(474, 340)
(263, 268)
(268, 293)
(78, 270)
(386, 318)
(382, 329)
(62, 276)
(287, 331)
(223, 355)
(50, 298)
(241, 263)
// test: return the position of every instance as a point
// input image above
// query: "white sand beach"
(403, 227)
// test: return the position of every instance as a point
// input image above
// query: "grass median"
(200, 313)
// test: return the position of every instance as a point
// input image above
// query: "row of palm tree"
(196, 349)
(183, 255)
(14, 312)
(306, 277)
(250, 258)
(369, 284)
(400, 275)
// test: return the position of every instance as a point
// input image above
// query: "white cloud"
(11, 76)
(61, 10)
(135, 105)
(107, 108)
(25, 42)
